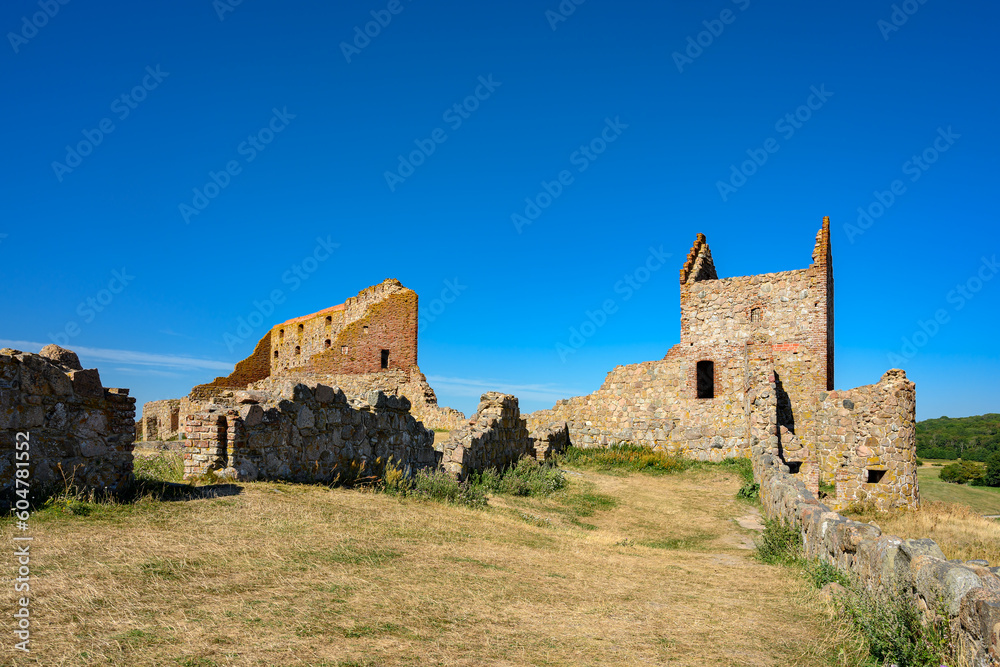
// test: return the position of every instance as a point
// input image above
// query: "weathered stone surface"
(496, 437)
(62, 356)
(317, 437)
(764, 347)
(69, 422)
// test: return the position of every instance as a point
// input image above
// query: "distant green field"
(983, 499)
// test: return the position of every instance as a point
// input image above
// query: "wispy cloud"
(476, 386)
(129, 357)
(171, 332)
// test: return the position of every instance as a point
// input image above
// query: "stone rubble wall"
(160, 420)
(869, 428)
(79, 431)
(969, 592)
(412, 385)
(496, 437)
(550, 441)
(305, 433)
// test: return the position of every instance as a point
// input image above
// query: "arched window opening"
(298, 350)
(755, 315)
(327, 343)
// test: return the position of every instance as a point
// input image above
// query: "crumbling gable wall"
(305, 434)
(77, 430)
(372, 332)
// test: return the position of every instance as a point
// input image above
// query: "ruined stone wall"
(160, 420)
(654, 404)
(411, 384)
(793, 308)
(969, 591)
(305, 434)
(496, 437)
(77, 430)
(864, 430)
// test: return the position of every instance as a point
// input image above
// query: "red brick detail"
(785, 347)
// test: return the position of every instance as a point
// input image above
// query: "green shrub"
(920, 462)
(749, 491)
(992, 475)
(779, 544)
(821, 573)
(962, 472)
(440, 485)
(527, 478)
(892, 628)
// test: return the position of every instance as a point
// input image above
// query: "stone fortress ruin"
(333, 392)
(755, 365)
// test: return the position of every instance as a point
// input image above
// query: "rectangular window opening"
(385, 358)
(706, 379)
(794, 467)
(875, 476)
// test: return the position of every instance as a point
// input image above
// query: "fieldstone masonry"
(78, 430)
(755, 365)
(970, 591)
(305, 434)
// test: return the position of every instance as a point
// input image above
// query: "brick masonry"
(79, 431)
(367, 343)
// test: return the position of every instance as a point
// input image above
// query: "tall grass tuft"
(779, 544)
(527, 478)
(625, 456)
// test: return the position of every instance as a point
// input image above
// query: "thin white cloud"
(129, 357)
(476, 386)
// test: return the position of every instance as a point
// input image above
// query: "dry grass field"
(611, 570)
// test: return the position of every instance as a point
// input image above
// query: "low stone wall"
(496, 437)
(305, 434)
(969, 592)
(74, 428)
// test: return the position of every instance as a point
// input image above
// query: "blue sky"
(174, 162)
